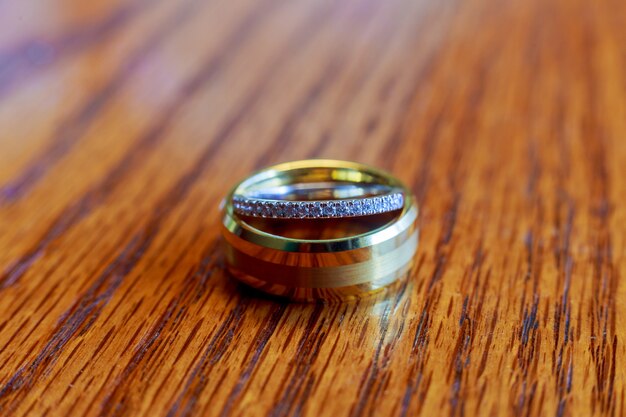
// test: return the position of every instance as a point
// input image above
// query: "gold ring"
(312, 258)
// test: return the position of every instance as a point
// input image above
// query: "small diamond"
(328, 210)
(270, 209)
(308, 209)
(301, 211)
(280, 209)
(380, 205)
(375, 206)
(341, 208)
(315, 209)
(265, 209)
(398, 201)
(353, 210)
(368, 207)
(290, 210)
(371, 207)
(385, 203)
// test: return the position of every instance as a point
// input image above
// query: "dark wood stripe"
(185, 404)
(262, 338)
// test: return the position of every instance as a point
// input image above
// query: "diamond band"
(323, 209)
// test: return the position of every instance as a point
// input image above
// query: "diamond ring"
(366, 245)
(280, 203)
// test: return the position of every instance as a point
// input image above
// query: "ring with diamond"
(316, 255)
(300, 201)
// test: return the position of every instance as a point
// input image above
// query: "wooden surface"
(122, 123)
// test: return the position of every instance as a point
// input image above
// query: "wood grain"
(124, 122)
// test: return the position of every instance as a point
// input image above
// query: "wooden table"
(123, 123)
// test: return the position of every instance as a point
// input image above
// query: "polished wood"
(123, 123)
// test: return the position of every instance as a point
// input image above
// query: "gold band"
(340, 267)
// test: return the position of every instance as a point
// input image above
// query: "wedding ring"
(282, 202)
(314, 257)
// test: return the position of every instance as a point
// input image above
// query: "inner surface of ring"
(318, 229)
(310, 191)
